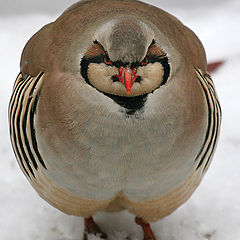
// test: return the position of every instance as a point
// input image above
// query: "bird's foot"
(147, 231)
(90, 227)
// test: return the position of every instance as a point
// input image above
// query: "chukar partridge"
(113, 109)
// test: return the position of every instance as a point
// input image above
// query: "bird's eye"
(144, 62)
(107, 59)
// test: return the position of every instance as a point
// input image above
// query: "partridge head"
(125, 61)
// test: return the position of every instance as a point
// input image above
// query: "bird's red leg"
(147, 231)
(90, 227)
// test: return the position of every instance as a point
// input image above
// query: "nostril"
(115, 79)
(138, 79)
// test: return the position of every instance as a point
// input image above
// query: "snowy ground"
(213, 212)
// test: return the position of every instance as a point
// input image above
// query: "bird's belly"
(141, 162)
(150, 209)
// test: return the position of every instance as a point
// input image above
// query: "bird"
(114, 109)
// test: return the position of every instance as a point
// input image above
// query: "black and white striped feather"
(205, 154)
(22, 109)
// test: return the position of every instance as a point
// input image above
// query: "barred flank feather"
(22, 109)
(214, 120)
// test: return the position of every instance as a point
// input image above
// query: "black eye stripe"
(95, 59)
(156, 58)
(150, 59)
(163, 59)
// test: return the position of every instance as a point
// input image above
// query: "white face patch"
(100, 76)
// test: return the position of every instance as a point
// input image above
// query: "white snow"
(212, 213)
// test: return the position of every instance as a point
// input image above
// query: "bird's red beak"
(127, 77)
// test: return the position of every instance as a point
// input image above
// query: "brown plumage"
(113, 109)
